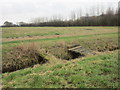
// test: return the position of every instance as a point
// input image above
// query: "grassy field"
(99, 71)
(15, 36)
(16, 32)
(24, 46)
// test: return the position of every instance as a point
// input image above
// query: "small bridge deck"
(80, 49)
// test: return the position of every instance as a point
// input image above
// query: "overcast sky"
(27, 10)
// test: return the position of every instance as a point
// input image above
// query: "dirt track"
(44, 37)
(33, 37)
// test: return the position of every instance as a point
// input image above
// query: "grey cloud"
(16, 10)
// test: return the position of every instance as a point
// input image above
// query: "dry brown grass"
(22, 56)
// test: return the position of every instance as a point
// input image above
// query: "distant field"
(18, 35)
(23, 46)
(15, 32)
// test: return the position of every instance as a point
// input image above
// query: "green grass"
(59, 38)
(99, 71)
(80, 34)
(49, 43)
(14, 32)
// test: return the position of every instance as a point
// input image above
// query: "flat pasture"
(39, 57)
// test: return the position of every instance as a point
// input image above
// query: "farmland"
(38, 57)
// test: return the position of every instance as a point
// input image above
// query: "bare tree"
(98, 10)
(73, 15)
(92, 10)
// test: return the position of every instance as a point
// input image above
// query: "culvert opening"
(70, 52)
(74, 55)
(77, 52)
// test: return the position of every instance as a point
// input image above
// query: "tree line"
(107, 18)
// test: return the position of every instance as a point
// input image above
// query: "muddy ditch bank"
(23, 57)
